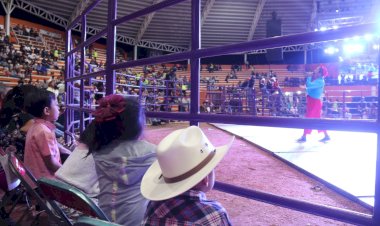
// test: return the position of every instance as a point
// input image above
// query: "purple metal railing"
(194, 117)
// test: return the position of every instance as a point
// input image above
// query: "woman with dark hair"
(121, 158)
(14, 120)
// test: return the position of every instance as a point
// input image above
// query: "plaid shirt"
(188, 209)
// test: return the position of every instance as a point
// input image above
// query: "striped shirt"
(190, 208)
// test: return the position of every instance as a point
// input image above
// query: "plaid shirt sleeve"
(189, 209)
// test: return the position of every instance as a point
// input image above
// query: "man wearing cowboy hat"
(176, 183)
(314, 88)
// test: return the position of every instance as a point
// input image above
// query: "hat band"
(192, 171)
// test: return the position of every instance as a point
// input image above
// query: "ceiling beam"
(145, 24)
(39, 12)
(82, 4)
(206, 10)
(313, 17)
(45, 14)
(256, 18)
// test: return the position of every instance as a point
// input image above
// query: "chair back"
(89, 221)
(71, 197)
(17, 167)
(8, 180)
(3, 176)
(29, 182)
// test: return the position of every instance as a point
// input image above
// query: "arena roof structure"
(222, 21)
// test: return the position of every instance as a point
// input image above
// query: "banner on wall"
(51, 34)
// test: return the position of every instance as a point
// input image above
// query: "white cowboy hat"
(184, 158)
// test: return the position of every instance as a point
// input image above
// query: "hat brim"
(153, 186)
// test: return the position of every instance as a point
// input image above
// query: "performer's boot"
(325, 139)
(302, 139)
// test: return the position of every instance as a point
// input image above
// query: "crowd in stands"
(26, 31)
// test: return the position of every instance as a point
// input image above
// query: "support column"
(195, 62)
(111, 46)
(304, 55)
(245, 57)
(82, 71)
(135, 52)
(8, 8)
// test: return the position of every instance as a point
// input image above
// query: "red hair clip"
(109, 108)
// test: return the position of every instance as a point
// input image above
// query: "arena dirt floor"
(247, 166)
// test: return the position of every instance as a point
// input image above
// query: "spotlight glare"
(299, 92)
(331, 50)
(323, 28)
(335, 27)
(316, 29)
(368, 37)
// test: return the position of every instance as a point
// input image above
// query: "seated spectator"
(42, 152)
(79, 168)
(121, 158)
(177, 182)
(25, 31)
(14, 120)
(38, 68)
(251, 82)
(17, 27)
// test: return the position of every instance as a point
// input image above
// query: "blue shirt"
(315, 88)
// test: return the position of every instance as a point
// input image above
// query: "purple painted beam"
(307, 207)
(85, 12)
(68, 69)
(195, 62)
(275, 42)
(339, 125)
(111, 46)
(376, 214)
(86, 76)
(80, 109)
(89, 41)
(82, 70)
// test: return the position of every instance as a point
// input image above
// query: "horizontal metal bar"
(85, 11)
(88, 41)
(339, 125)
(74, 22)
(145, 11)
(275, 42)
(85, 76)
(91, 7)
(307, 207)
(153, 60)
(77, 108)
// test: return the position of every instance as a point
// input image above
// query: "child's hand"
(63, 150)
(11, 149)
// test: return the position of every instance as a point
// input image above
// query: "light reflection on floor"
(348, 161)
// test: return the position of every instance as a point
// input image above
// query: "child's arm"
(63, 150)
(51, 163)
